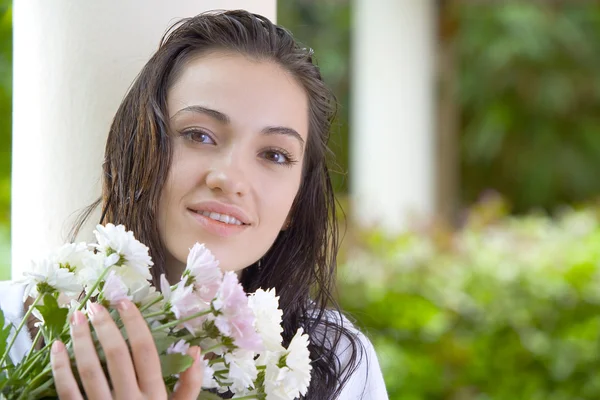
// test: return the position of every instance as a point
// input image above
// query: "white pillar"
(73, 62)
(392, 126)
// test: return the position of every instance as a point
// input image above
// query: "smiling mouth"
(224, 218)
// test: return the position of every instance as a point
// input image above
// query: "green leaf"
(54, 316)
(162, 341)
(174, 363)
(4, 332)
(208, 396)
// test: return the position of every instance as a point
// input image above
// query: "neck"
(173, 269)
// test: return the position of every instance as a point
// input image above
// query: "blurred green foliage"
(325, 27)
(528, 93)
(507, 308)
(5, 133)
(530, 101)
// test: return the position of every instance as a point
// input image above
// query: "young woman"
(222, 140)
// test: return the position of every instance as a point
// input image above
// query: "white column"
(392, 126)
(73, 62)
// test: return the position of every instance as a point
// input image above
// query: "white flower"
(208, 379)
(38, 316)
(293, 379)
(71, 255)
(121, 248)
(72, 306)
(92, 268)
(143, 293)
(274, 384)
(242, 370)
(114, 289)
(203, 270)
(48, 276)
(180, 347)
(298, 361)
(130, 276)
(265, 306)
(235, 318)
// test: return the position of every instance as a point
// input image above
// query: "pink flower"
(203, 270)
(180, 347)
(183, 303)
(114, 289)
(236, 318)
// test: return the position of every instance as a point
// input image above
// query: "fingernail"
(94, 310)
(124, 305)
(194, 352)
(57, 347)
(77, 318)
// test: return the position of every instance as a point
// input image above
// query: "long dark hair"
(301, 264)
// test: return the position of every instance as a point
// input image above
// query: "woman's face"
(239, 130)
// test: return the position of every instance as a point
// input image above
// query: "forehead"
(249, 91)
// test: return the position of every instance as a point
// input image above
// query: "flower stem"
(23, 321)
(38, 390)
(93, 288)
(39, 353)
(216, 360)
(32, 354)
(153, 302)
(33, 344)
(211, 348)
(179, 321)
(87, 296)
(154, 314)
(34, 381)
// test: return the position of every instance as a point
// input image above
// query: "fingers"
(64, 381)
(86, 358)
(118, 360)
(143, 349)
(190, 381)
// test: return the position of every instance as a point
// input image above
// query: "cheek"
(184, 175)
(277, 200)
(180, 181)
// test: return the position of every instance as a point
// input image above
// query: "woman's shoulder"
(12, 306)
(364, 380)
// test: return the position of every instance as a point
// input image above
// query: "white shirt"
(366, 383)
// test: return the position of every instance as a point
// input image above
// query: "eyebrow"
(218, 115)
(223, 118)
(282, 130)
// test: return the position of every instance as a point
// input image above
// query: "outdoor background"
(504, 303)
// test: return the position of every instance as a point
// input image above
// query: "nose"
(226, 174)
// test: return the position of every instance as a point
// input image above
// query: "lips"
(226, 219)
(217, 227)
(225, 213)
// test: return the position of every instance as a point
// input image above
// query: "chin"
(231, 265)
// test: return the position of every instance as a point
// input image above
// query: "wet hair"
(301, 263)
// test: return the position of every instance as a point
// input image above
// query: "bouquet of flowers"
(207, 307)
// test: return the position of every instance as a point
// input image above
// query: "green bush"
(529, 92)
(507, 308)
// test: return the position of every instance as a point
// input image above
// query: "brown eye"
(278, 156)
(198, 136)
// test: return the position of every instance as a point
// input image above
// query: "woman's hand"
(137, 377)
